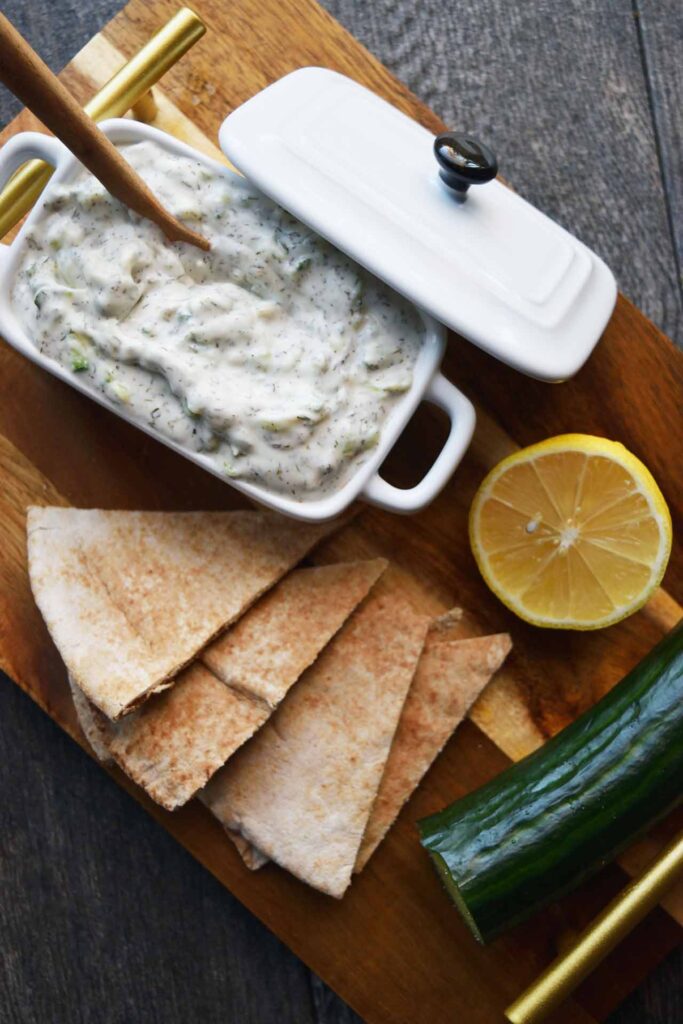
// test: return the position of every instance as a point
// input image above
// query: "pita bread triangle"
(130, 597)
(302, 789)
(251, 855)
(450, 676)
(96, 727)
(175, 742)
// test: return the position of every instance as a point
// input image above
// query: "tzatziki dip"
(273, 353)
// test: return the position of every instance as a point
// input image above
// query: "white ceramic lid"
(364, 175)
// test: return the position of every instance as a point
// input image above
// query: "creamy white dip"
(274, 354)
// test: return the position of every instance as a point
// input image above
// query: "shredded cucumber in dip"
(274, 354)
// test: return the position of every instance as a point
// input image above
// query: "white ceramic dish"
(362, 174)
(366, 483)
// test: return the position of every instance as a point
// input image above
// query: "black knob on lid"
(463, 162)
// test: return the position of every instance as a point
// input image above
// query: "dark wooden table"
(103, 917)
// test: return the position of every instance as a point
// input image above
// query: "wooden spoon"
(25, 74)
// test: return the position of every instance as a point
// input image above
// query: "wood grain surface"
(431, 550)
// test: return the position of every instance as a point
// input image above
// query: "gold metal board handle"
(608, 929)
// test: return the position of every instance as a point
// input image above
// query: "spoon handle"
(25, 74)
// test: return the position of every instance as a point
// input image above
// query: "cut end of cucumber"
(453, 891)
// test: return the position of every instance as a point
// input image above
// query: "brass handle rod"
(560, 979)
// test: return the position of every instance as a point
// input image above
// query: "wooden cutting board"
(394, 948)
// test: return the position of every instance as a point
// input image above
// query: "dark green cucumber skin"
(541, 827)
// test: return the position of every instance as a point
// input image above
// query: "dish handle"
(28, 146)
(460, 412)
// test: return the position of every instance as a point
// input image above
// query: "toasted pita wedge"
(175, 742)
(449, 678)
(252, 857)
(302, 789)
(268, 649)
(97, 728)
(130, 597)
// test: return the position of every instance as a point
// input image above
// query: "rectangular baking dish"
(365, 483)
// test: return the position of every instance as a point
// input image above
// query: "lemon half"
(572, 532)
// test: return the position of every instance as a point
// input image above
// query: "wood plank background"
(188, 951)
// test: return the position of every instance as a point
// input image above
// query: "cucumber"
(541, 827)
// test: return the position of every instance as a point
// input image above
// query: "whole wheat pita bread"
(252, 857)
(175, 742)
(130, 597)
(268, 649)
(97, 728)
(172, 744)
(449, 678)
(302, 789)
